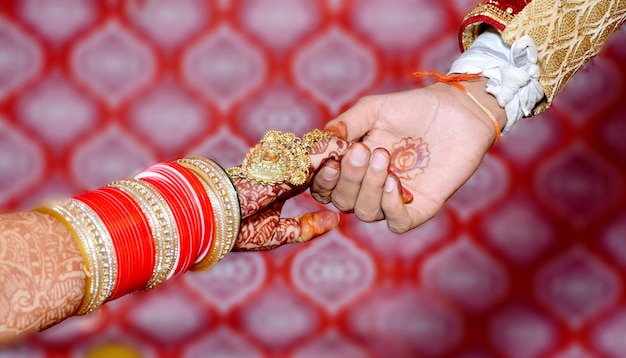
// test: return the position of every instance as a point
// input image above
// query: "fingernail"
(407, 196)
(390, 185)
(329, 173)
(329, 220)
(358, 157)
(318, 223)
(379, 161)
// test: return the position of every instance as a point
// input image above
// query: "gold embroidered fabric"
(568, 33)
(474, 19)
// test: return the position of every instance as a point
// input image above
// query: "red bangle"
(203, 202)
(191, 215)
(189, 202)
(138, 232)
(131, 236)
(190, 210)
(173, 200)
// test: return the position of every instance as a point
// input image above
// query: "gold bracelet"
(87, 250)
(96, 245)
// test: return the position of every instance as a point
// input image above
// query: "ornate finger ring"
(279, 158)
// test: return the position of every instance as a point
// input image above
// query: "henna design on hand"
(266, 230)
(257, 230)
(409, 157)
(253, 197)
(328, 148)
(262, 227)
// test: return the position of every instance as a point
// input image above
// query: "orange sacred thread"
(454, 80)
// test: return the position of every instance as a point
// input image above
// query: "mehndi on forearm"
(42, 276)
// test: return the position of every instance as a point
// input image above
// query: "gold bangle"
(104, 248)
(222, 243)
(230, 200)
(219, 240)
(97, 247)
(227, 210)
(87, 250)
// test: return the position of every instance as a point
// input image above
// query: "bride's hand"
(268, 178)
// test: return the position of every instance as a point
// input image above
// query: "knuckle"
(398, 228)
(352, 178)
(400, 225)
(321, 198)
(341, 203)
(321, 186)
(326, 185)
(368, 100)
(371, 102)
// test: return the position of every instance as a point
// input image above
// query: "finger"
(305, 227)
(353, 169)
(328, 148)
(399, 216)
(367, 207)
(290, 230)
(325, 181)
(356, 121)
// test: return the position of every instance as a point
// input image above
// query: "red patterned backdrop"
(527, 260)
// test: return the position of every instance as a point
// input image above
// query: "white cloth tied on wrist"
(513, 73)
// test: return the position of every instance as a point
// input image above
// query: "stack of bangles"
(138, 232)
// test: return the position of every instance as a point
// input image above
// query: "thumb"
(330, 148)
(265, 230)
(304, 227)
(356, 121)
(311, 225)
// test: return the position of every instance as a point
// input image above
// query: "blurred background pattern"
(527, 260)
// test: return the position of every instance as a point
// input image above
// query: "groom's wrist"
(477, 88)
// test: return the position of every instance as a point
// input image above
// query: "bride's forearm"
(72, 256)
(42, 278)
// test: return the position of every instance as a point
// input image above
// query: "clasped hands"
(395, 157)
(280, 167)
